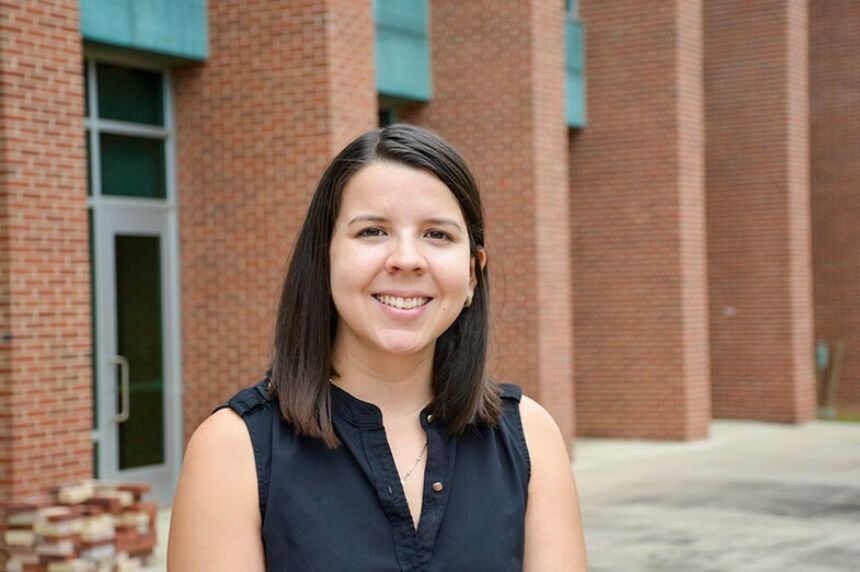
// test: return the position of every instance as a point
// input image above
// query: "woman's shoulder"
(218, 464)
(252, 400)
(532, 414)
(227, 426)
(538, 424)
(533, 424)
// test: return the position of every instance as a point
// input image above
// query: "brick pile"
(86, 526)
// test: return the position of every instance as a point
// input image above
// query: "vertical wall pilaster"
(45, 316)
(638, 222)
(759, 252)
(834, 86)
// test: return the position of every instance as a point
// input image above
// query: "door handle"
(122, 362)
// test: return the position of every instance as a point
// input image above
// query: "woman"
(375, 442)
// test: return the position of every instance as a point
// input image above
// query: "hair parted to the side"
(306, 321)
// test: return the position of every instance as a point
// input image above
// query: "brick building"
(672, 193)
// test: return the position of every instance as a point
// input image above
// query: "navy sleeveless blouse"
(344, 509)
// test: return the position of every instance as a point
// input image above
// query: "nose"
(405, 255)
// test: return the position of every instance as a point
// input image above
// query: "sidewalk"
(754, 497)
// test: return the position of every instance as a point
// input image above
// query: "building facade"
(672, 195)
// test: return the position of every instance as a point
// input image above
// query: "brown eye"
(373, 231)
(438, 234)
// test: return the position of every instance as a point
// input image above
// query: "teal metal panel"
(176, 28)
(402, 49)
(575, 81)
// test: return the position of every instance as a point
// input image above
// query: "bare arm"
(554, 536)
(215, 522)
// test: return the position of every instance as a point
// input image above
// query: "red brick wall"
(286, 85)
(834, 86)
(759, 252)
(45, 340)
(498, 85)
(637, 212)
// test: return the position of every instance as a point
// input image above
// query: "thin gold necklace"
(415, 464)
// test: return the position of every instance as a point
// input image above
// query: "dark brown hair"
(307, 318)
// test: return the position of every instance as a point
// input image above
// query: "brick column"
(45, 318)
(637, 206)
(286, 85)
(498, 95)
(834, 86)
(759, 254)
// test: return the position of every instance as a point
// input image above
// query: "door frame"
(102, 207)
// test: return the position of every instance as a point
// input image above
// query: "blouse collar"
(361, 413)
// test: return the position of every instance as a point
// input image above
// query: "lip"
(402, 314)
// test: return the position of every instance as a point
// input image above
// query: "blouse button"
(437, 486)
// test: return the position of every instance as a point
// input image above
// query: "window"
(127, 137)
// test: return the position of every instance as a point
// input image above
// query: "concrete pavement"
(753, 497)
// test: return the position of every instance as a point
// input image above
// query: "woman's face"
(400, 264)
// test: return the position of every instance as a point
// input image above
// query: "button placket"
(441, 450)
(366, 420)
(414, 548)
(393, 501)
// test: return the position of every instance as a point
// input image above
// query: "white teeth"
(402, 303)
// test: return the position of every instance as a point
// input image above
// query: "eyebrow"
(380, 219)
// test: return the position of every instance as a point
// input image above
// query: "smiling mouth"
(402, 303)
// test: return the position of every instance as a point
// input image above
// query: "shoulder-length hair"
(307, 318)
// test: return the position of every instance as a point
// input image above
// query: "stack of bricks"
(81, 527)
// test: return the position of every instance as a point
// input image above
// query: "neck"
(399, 385)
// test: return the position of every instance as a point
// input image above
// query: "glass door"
(134, 354)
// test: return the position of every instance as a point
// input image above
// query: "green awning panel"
(402, 49)
(175, 28)
(575, 81)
